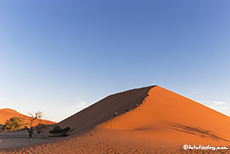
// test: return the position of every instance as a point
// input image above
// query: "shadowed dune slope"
(175, 116)
(104, 110)
(6, 114)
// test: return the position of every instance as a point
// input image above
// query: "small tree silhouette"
(32, 118)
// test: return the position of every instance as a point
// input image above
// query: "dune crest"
(104, 110)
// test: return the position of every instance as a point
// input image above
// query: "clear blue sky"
(60, 56)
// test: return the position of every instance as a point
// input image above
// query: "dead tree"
(32, 118)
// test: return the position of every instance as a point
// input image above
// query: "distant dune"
(149, 120)
(6, 114)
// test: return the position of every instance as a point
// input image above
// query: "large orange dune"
(170, 116)
(104, 110)
(157, 121)
(6, 114)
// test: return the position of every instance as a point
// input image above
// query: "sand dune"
(162, 122)
(6, 114)
(104, 110)
(172, 116)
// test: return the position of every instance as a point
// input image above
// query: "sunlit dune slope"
(6, 114)
(168, 115)
(105, 109)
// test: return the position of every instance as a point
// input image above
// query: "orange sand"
(162, 123)
(104, 110)
(171, 116)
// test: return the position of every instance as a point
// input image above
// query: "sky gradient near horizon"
(61, 56)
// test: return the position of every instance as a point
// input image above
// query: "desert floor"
(97, 141)
(20, 138)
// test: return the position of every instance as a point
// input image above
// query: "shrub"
(13, 124)
(40, 127)
(57, 130)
